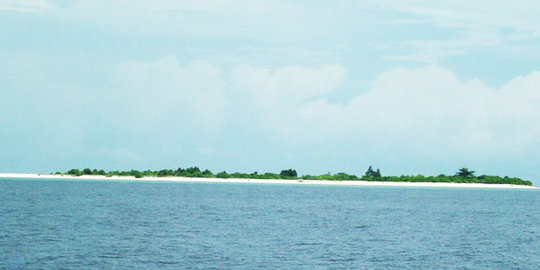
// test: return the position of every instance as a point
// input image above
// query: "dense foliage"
(464, 175)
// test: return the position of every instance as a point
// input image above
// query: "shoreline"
(264, 181)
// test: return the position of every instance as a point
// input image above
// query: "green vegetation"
(464, 175)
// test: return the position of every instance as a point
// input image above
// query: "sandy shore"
(263, 181)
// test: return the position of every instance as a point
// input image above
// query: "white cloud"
(165, 94)
(471, 25)
(286, 85)
(423, 114)
(25, 5)
(195, 17)
(429, 109)
(413, 30)
(272, 96)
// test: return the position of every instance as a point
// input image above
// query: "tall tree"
(464, 172)
(370, 173)
(288, 173)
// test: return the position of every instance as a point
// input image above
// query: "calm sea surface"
(132, 225)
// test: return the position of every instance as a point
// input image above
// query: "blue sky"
(321, 86)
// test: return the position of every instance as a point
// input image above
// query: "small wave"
(307, 244)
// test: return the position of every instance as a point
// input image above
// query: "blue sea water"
(132, 225)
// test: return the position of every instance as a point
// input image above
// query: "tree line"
(463, 175)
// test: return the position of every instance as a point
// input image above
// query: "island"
(463, 178)
(463, 175)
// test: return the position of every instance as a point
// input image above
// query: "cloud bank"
(407, 114)
(25, 5)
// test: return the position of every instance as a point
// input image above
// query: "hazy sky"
(320, 86)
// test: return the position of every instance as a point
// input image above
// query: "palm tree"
(464, 172)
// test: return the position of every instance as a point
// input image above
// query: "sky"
(410, 87)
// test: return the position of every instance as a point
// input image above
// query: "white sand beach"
(263, 181)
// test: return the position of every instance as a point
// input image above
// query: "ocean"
(63, 224)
